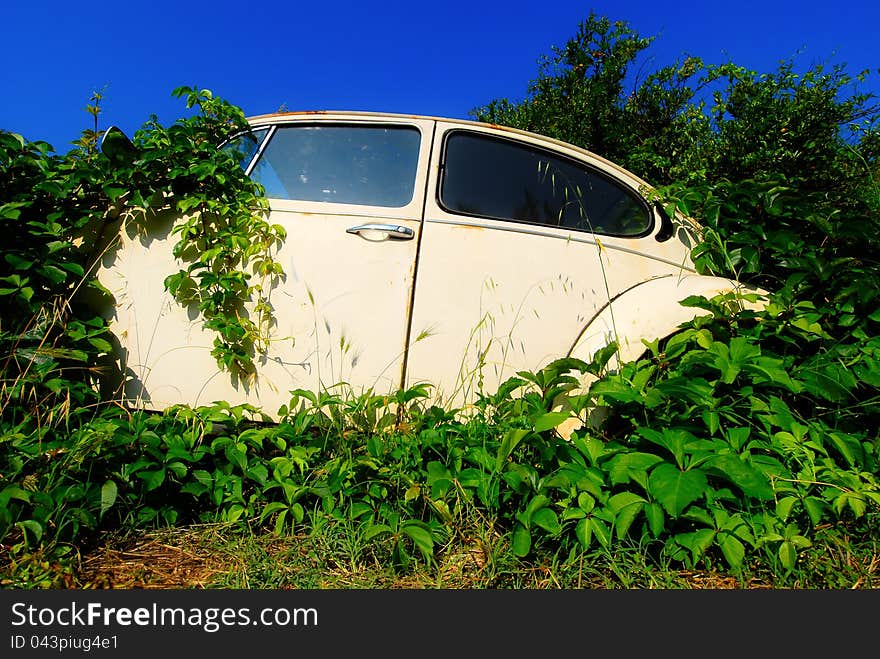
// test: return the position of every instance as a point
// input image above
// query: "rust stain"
(281, 115)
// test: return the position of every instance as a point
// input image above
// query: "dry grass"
(210, 556)
(215, 556)
(184, 558)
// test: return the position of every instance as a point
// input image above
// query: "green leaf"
(704, 338)
(550, 420)
(697, 541)
(752, 482)
(11, 211)
(537, 502)
(733, 550)
(375, 530)
(673, 439)
(522, 541)
(803, 323)
(868, 371)
(108, 496)
(569, 514)
(271, 508)
(53, 274)
(152, 479)
(32, 526)
(236, 456)
(113, 192)
(656, 518)
(421, 537)
(787, 555)
(742, 350)
(586, 502)
(101, 345)
(849, 446)
(624, 500)
(694, 390)
(855, 501)
(584, 532)
(724, 363)
(616, 390)
(359, 508)
(203, 477)
(767, 369)
(815, 509)
(601, 532)
(676, 489)
(832, 382)
(737, 437)
(413, 492)
(13, 492)
(280, 522)
(17, 262)
(626, 467)
(546, 519)
(592, 449)
(511, 439)
(784, 507)
(626, 506)
(298, 513)
(258, 473)
(601, 358)
(234, 512)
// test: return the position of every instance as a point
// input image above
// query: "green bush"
(55, 350)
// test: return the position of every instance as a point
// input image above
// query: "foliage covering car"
(418, 249)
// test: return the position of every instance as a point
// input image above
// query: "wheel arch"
(652, 310)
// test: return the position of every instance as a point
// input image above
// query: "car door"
(349, 192)
(524, 241)
(350, 195)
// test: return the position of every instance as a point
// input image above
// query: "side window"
(244, 146)
(366, 165)
(502, 179)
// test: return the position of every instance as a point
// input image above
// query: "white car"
(420, 249)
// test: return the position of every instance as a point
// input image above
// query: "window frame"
(342, 207)
(261, 144)
(550, 152)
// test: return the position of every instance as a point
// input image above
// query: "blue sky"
(411, 57)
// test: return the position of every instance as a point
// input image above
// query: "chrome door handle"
(384, 231)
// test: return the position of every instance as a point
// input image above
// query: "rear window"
(506, 180)
(366, 165)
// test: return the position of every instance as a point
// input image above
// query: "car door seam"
(415, 267)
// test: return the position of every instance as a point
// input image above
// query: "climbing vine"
(224, 242)
(60, 206)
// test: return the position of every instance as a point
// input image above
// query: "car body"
(419, 249)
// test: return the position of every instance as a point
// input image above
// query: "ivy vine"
(224, 240)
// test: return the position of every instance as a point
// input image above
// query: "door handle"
(382, 231)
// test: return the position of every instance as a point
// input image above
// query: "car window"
(245, 145)
(366, 165)
(502, 179)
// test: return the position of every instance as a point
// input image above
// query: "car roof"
(342, 115)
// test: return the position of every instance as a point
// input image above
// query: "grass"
(232, 556)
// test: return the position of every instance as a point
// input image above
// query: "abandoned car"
(420, 249)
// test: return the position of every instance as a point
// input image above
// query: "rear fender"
(653, 310)
(646, 312)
